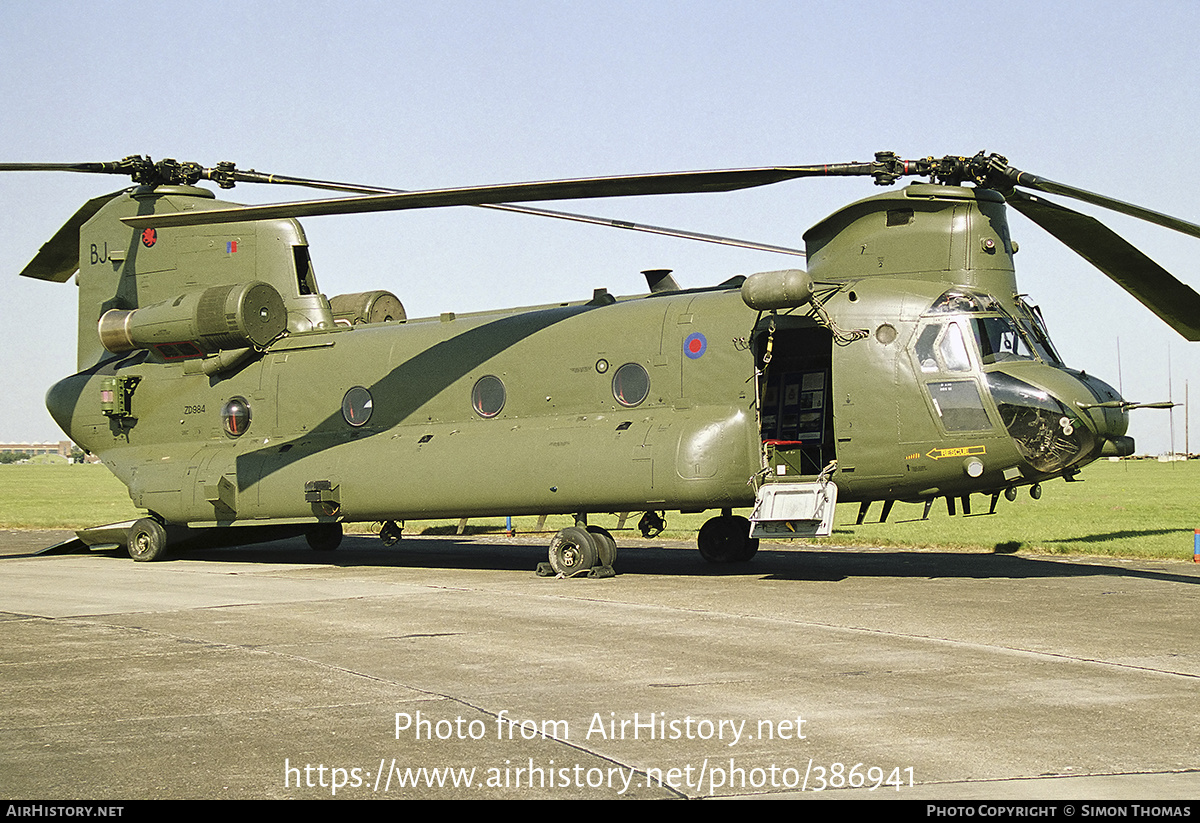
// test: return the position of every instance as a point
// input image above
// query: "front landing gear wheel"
(147, 540)
(726, 539)
(324, 537)
(572, 551)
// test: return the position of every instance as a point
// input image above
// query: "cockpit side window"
(925, 348)
(954, 350)
(959, 406)
(949, 353)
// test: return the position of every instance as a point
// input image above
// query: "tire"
(572, 551)
(325, 537)
(726, 539)
(606, 546)
(147, 540)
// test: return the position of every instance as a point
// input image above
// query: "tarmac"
(443, 667)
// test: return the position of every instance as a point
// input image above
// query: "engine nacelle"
(377, 306)
(199, 322)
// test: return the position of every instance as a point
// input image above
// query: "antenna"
(1171, 398)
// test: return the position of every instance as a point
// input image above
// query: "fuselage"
(914, 372)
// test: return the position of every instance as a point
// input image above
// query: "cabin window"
(357, 406)
(488, 396)
(235, 416)
(631, 384)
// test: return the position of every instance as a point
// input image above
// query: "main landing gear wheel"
(147, 540)
(572, 551)
(606, 546)
(324, 537)
(726, 539)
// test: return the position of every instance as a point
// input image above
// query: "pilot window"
(947, 354)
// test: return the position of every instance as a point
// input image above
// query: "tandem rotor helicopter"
(238, 403)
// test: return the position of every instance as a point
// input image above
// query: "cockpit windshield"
(997, 334)
(999, 339)
(1035, 328)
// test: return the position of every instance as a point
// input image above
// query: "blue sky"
(414, 95)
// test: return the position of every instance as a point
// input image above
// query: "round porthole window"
(631, 384)
(235, 416)
(487, 398)
(357, 406)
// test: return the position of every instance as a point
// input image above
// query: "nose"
(1109, 412)
(1060, 419)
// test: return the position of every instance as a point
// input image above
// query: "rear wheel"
(147, 540)
(606, 546)
(572, 551)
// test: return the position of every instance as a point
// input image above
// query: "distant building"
(62, 447)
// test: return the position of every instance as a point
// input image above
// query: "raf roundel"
(694, 345)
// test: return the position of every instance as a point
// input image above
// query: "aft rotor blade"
(226, 175)
(58, 258)
(644, 227)
(1155, 288)
(584, 188)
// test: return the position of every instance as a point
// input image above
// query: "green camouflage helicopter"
(239, 403)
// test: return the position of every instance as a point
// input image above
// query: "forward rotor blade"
(1154, 287)
(584, 188)
(87, 168)
(256, 177)
(1032, 181)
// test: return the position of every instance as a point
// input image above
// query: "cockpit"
(970, 346)
(997, 335)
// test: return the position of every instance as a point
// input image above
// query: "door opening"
(795, 389)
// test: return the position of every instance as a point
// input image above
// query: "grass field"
(1128, 509)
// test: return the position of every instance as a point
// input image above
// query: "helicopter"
(238, 403)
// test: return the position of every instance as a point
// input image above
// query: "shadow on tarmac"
(675, 559)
